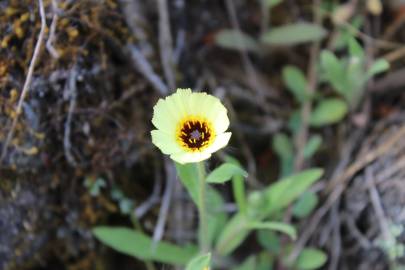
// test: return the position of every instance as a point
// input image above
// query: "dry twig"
(301, 139)
(72, 91)
(51, 37)
(27, 80)
(145, 68)
(165, 43)
(338, 184)
(167, 197)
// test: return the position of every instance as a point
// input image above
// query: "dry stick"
(51, 38)
(27, 80)
(167, 196)
(247, 63)
(302, 136)
(337, 186)
(72, 90)
(165, 43)
(377, 205)
(166, 54)
(145, 68)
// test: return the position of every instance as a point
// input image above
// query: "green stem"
(202, 209)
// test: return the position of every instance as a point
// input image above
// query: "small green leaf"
(305, 204)
(285, 191)
(379, 66)
(238, 186)
(274, 226)
(266, 261)
(312, 146)
(126, 206)
(296, 82)
(311, 258)
(293, 34)
(139, 245)
(188, 175)
(269, 240)
(271, 3)
(248, 264)
(355, 49)
(200, 262)
(235, 40)
(224, 173)
(335, 72)
(216, 217)
(233, 234)
(328, 111)
(294, 122)
(283, 147)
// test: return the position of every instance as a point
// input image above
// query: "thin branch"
(51, 37)
(145, 68)
(302, 136)
(167, 197)
(261, 90)
(27, 80)
(72, 105)
(165, 43)
(337, 185)
(377, 205)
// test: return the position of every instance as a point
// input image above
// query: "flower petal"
(164, 117)
(190, 157)
(220, 141)
(215, 112)
(165, 142)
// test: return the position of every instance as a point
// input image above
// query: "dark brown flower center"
(195, 134)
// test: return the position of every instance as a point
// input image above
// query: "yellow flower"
(190, 126)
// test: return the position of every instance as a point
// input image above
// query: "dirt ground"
(86, 118)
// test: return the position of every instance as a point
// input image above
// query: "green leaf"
(271, 3)
(269, 240)
(296, 82)
(355, 49)
(294, 122)
(224, 173)
(238, 186)
(306, 203)
(233, 234)
(312, 146)
(266, 203)
(139, 245)
(188, 175)
(379, 66)
(235, 40)
(311, 258)
(266, 261)
(217, 218)
(274, 226)
(285, 191)
(200, 262)
(335, 72)
(283, 147)
(293, 34)
(248, 264)
(328, 111)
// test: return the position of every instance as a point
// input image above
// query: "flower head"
(190, 126)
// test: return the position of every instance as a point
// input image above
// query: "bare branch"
(27, 80)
